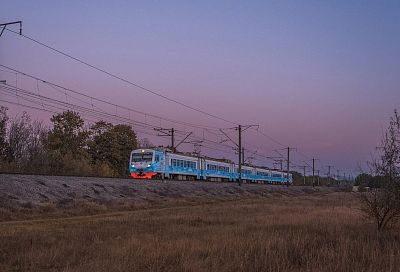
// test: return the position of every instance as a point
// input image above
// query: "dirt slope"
(16, 190)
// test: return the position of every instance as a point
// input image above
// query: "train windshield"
(140, 157)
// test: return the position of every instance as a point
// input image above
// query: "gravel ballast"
(36, 190)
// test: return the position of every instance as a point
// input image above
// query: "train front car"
(142, 164)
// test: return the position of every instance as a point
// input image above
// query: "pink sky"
(318, 77)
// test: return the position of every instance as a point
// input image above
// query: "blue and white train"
(163, 164)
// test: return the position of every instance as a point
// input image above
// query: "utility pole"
(329, 174)
(240, 129)
(11, 23)
(313, 172)
(287, 160)
(243, 155)
(167, 132)
(240, 154)
(288, 165)
(337, 176)
(304, 174)
(173, 139)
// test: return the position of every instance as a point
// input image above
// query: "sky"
(320, 76)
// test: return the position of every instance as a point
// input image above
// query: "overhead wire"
(107, 102)
(148, 90)
(121, 78)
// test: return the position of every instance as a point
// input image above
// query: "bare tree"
(382, 204)
(37, 137)
(145, 143)
(18, 138)
(3, 131)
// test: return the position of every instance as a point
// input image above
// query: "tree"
(297, 178)
(382, 203)
(3, 131)
(37, 138)
(18, 139)
(38, 158)
(363, 180)
(68, 135)
(112, 145)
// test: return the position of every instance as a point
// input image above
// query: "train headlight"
(133, 165)
(148, 165)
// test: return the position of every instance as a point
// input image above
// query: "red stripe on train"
(147, 175)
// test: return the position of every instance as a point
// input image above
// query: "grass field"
(324, 232)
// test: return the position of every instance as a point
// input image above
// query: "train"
(158, 163)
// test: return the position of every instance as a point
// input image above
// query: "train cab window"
(142, 157)
(157, 158)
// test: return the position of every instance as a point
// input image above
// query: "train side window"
(157, 158)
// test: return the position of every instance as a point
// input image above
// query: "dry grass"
(314, 233)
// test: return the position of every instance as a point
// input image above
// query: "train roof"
(191, 154)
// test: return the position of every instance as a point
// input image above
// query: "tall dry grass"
(314, 233)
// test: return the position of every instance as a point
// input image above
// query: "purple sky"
(322, 77)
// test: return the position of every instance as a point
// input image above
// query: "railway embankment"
(32, 190)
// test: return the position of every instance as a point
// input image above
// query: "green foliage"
(363, 180)
(112, 145)
(67, 149)
(68, 135)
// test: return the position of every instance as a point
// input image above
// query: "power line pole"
(240, 129)
(287, 160)
(240, 155)
(304, 174)
(167, 132)
(313, 172)
(11, 23)
(337, 176)
(173, 139)
(329, 174)
(288, 165)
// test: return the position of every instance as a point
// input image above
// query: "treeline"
(299, 179)
(68, 147)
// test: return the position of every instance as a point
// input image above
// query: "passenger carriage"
(160, 164)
